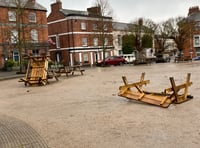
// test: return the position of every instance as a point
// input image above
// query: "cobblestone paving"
(15, 133)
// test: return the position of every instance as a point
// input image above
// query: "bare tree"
(161, 36)
(180, 29)
(104, 14)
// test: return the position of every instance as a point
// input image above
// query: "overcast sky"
(129, 10)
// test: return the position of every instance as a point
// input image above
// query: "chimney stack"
(94, 11)
(192, 10)
(56, 6)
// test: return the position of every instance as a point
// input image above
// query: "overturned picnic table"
(37, 71)
(174, 94)
(70, 70)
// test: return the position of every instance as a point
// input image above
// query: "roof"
(24, 3)
(120, 26)
(68, 12)
(194, 17)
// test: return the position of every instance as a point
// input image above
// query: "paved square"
(85, 111)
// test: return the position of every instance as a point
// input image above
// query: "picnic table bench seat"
(70, 70)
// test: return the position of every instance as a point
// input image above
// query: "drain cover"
(15, 133)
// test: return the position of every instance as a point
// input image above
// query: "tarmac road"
(86, 112)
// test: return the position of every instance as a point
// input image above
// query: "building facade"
(119, 30)
(79, 37)
(192, 48)
(23, 30)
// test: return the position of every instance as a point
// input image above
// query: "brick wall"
(6, 26)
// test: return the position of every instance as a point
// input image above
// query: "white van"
(130, 58)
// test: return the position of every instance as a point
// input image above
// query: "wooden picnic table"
(37, 72)
(70, 69)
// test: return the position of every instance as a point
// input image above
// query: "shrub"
(10, 63)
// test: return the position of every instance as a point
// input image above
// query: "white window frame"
(12, 16)
(197, 26)
(57, 41)
(85, 57)
(196, 40)
(14, 36)
(106, 54)
(84, 42)
(16, 56)
(95, 26)
(96, 42)
(83, 26)
(105, 27)
(32, 17)
(105, 41)
(34, 35)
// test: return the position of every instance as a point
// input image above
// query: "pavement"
(6, 75)
(86, 111)
(15, 132)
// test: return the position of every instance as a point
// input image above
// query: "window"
(106, 54)
(196, 41)
(106, 41)
(84, 41)
(32, 17)
(197, 26)
(35, 52)
(57, 41)
(198, 51)
(16, 56)
(105, 28)
(59, 57)
(85, 58)
(95, 26)
(34, 35)
(119, 40)
(12, 15)
(14, 36)
(120, 52)
(95, 42)
(83, 26)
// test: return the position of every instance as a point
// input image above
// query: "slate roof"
(120, 26)
(194, 17)
(24, 3)
(68, 12)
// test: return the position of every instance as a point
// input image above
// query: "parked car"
(196, 58)
(113, 60)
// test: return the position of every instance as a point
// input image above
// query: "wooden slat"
(187, 85)
(151, 99)
(37, 67)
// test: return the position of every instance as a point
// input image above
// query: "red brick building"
(192, 48)
(24, 25)
(76, 36)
